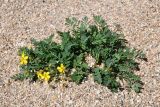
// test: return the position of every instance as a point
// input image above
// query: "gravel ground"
(20, 20)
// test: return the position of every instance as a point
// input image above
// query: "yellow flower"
(24, 59)
(61, 68)
(46, 76)
(40, 74)
(43, 75)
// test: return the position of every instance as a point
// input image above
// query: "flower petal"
(58, 68)
(25, 62)
(25, 57)
(21, 62)
(22, 54)
(61, 65)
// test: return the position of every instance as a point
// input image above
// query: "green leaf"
(99, 20)
(109, 81)
(85, 19)
(123, 68)
(72, 21)
(78, 60)
(108, 62)
(77, 77)
(23, 76)
(137, 87)
(84, 41)
(97, 76)
(98, 39)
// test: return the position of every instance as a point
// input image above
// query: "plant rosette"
(49, 61)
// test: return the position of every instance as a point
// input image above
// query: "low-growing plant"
(47, 60)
